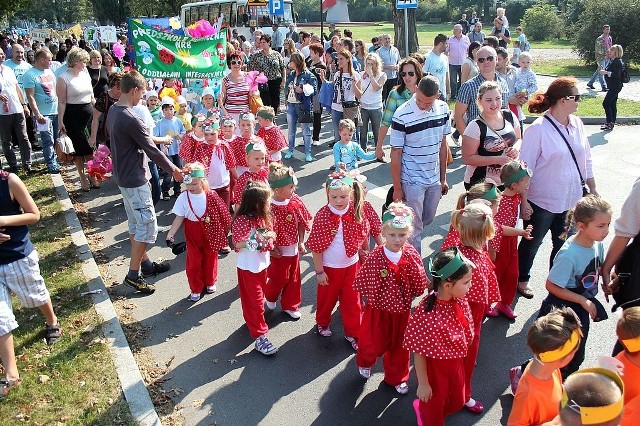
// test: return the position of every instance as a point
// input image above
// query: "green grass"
(573, 67)
(426, 34)
(72, 382)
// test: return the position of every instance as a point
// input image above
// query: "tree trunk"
(399, 30)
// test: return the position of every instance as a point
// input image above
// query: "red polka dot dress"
(241, 183)
(284, 271)
(326, 226)
(192, 150)
(442, 338)
(388, 288)
(274, 139)
(506, 264)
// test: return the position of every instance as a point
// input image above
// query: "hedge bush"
(542, 22)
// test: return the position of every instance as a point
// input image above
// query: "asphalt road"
(314, 380)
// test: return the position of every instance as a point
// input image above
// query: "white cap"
(182, 100)
(151, 94)
(207, 91)
(167, 100)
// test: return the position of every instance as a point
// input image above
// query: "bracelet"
(319, 273)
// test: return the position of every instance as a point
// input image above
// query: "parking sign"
(406, 4)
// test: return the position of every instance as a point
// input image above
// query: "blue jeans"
(600, 77)
(336, 116)
(375, 116)
(455, 77)
(292, 124)
(47, 139)
(542, 221)
(423, 199)
(154, 182)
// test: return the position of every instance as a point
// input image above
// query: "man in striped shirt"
(419, 132)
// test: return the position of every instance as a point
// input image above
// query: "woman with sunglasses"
(409, 74)
(234, 93)
(491, 140)
(556, 149)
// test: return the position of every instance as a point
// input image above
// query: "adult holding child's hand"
(556, 149)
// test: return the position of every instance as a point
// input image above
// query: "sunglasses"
(410, 73)
(235, 62)
(488, 59)
(573, 98)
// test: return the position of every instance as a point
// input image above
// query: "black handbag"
(628, 270)
(585, 188)
(304, 115)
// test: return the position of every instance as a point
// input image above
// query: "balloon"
(118, 50)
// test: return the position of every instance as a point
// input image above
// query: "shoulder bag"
(350, 109)
(585, 189)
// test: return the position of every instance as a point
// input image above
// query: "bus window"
(225, 10)
(233, 18)
(288, 12)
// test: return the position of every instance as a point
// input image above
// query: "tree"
(115, 11)
(400, 28)
(621, 15)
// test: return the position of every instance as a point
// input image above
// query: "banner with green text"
(164, 55)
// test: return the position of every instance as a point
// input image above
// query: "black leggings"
(610, 104)
(271, 97)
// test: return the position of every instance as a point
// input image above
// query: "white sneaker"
(293, 314)
(264, 346)
(211, 289)
(270, 305)
(402, 388)
(365, 372)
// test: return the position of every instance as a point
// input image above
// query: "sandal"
(353, 341)
(525, 291)
(52, 334)
(7, 385)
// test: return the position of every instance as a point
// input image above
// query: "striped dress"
(237, 100)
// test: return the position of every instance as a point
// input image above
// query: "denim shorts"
(141, 214)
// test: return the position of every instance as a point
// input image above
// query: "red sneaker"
(476, 408)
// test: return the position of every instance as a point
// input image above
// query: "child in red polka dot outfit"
(291, 220)
(439, 334)
(487, 193)
(271, 134)
(255, 154)
(247, 125)
(373, 220)
(253, 240)
(515, 177)
(475, 226)
(338, 232)
(206, 221)
(389, 280)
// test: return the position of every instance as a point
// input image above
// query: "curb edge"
(133, 387)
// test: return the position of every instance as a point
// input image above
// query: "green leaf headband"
(255, 146)
(290, 178)
(523, 171)
(197, 173)
(265, 114)
(247, 116)
(197, 118)
(451, 267)
(491, 194)
(229, 121)
(337, 179)
(397, 217)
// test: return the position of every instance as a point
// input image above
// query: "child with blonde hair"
(475, 226)
(206, 222)
(345, 150)
(255, 158)
(291, 219)
(389, 280)
(339, 229)
(440, 333)
(273, 137)
(554, 340)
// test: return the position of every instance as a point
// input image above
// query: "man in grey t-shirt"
(130, 141)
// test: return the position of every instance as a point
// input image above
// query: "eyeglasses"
(590, 280)
(235, 62)
(410, 73)
(573, 98)
(488, 59)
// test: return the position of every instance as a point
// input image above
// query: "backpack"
(628, 270)
(480, 172)
(625, 74)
